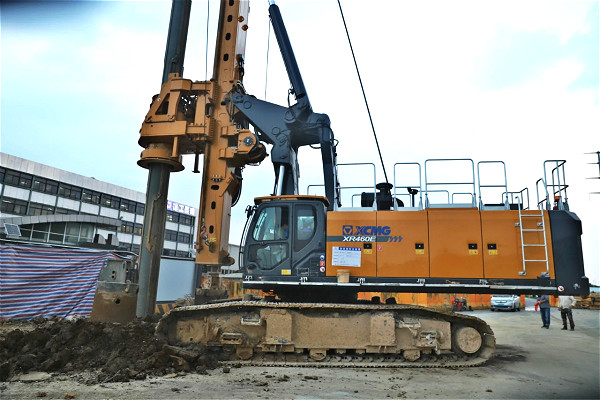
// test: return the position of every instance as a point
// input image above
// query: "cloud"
(26, 52)
(564, 19)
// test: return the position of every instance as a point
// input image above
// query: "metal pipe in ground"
(153, 234)
(155, 213)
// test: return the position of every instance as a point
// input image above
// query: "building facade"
(54, 206)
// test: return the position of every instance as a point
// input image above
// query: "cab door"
(268, 244)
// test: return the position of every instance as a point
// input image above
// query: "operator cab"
(285, 237)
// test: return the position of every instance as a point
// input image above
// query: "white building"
(58, 207)
(54, 206)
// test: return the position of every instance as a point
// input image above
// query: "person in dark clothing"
(544, 302)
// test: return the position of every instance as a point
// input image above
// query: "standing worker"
(565, 305)
(544, 302)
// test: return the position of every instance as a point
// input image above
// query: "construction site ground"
(530, 362)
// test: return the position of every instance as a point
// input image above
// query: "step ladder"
(541, 227)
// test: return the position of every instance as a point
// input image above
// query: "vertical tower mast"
(192, 118)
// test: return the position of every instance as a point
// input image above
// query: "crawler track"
(442, 361)
(332, 335)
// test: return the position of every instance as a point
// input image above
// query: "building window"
(45, 185)
(126, 227)
(169, 252)
(186, 219)
(128, 205)
(72, 232)
(125, 246)
(40, 209)
(137, 229)
(39, 232)
(135, 248)
(86, 233)
(14, 206)
(64, 211)
(89, 196)
(2, 173)
(110, 201)
(16, 178)
(172, 217)
(139, 208)
(182, 254)
(170, 235)
(175, 253)
(69, 191)
(25, 231)
(57, 232)
(184, 237)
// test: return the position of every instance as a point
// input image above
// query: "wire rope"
(267, 66)
(363, 92)
(206, 58)
(206, 47)
(205, 80)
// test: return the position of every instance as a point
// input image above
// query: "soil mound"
(113, 352)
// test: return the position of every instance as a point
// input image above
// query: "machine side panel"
(403, 251)
(566, 249)
(351, 242)
(502, 256)
(455, 243)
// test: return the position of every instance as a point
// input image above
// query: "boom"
(288, 128)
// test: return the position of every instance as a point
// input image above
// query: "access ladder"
(540, 227)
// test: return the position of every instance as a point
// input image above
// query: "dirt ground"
(114, 352)
(529, 363)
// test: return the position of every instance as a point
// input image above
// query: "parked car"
(505, 302)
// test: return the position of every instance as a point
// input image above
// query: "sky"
(516, 81)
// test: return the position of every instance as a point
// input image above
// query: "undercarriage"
(332, 335)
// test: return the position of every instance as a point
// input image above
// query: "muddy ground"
(530, 362)
(105, 352)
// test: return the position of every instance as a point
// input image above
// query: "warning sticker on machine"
(346, 256)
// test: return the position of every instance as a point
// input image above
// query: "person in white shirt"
(565, 304)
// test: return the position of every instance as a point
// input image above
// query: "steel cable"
(363, 91)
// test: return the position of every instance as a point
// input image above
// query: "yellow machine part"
(330, 335)
(438, 243)
(397, 259)
(368, 256)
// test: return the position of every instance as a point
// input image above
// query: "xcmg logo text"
(351, 230)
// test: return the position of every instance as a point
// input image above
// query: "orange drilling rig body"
(315, 255)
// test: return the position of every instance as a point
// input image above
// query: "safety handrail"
(436, 191)
(396, 165)
(463, 193)
(558, 188)
(490, 186)
(470, 183)
(520, 198)
(374, 187)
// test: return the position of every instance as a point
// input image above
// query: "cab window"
(272, 224)
(305, 226)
